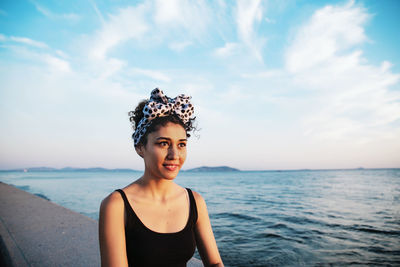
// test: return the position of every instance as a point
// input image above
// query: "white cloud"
(271, 21)
(228, 49)
(330, 30)
(56, 63)
(46, 61)
(22, 40)
(350, 98)
(107, 68)
(168, 11)
(126, 24)
(61, 54)
(153, 74)
(28, 41)
(248, 14)
(235, 95)
(46, 12)
(221, 4)
(96, 9)
(192, 16)
(178, 24)
(265, 74)
(179, 46)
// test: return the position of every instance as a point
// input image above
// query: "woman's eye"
(163, 143)
(182, 144)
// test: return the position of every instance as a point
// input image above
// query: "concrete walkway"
(38, 232)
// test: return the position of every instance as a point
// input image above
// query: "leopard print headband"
(161, 105)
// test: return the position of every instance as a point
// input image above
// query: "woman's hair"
(137, 115)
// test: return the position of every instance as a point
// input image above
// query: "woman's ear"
(139, 150)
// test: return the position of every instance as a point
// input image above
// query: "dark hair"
(156, 123)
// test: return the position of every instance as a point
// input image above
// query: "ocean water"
(267, 218)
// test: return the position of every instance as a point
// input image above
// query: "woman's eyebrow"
(162, 137)
(169, 139)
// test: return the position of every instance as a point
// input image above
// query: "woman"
(153, 221)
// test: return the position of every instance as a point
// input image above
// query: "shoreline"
(37, 232)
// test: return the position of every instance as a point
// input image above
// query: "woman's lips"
(171, 167)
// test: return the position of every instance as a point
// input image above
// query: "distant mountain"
(96, 169)
(99, 169)
(213, 169)
(70, 169)
(40, 169)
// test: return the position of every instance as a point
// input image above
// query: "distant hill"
(213, 169)
(70, 169)
(99, 169)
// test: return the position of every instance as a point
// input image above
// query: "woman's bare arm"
(205, 240)
(112, 232)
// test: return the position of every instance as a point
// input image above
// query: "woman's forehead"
(170, 130)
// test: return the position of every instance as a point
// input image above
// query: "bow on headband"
(161, 105)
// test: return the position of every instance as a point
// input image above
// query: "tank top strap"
(193, 207)
(127, 205)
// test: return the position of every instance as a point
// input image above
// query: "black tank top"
(147, 248)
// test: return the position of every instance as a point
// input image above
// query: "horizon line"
(129, 169)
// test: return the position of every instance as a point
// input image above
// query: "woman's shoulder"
(112, 201)
(199, 199)
(196, 194)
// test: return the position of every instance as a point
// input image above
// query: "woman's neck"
(158, 189)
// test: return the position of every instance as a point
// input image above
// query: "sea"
(266, 218)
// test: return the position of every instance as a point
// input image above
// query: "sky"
(275, 84)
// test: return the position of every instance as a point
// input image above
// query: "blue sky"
(276, 84)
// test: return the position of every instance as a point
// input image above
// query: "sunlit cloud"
(153, 74)
(248, 15)
(268, 20)
(330, 30)
(165, 19)
(180, 46)
(57, 63)
(192, 16)
(126, 24)
(51, 15)
(29, 51)
(98, 12)
(353, 96)
(22, 40)
(228, 49)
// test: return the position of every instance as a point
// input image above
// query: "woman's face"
(165, 151)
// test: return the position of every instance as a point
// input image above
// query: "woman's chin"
(171, 174)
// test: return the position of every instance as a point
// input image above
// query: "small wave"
(334, 216)
(237, 216)
(279, 226)
(345, 253)
(368, 229)
(301, 220)
(274, 237)
(269, 235)
(356, 227)
(381, 250)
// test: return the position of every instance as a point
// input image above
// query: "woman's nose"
(172, 152)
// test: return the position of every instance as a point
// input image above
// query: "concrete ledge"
(37, 232)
